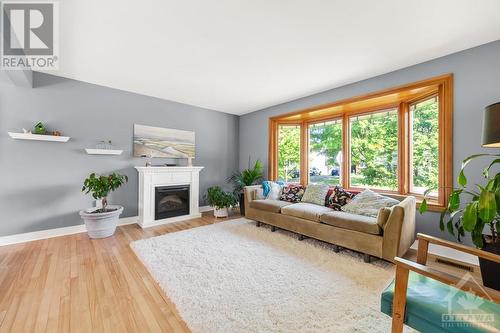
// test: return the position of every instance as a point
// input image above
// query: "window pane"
(424, 145)
(289, 153)
(325, 152)
(374, 150)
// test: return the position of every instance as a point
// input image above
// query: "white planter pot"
(221, 212)
(101, 225)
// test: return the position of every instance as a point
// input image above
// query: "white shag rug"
(235, 277)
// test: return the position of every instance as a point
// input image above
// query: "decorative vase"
(490, 270)
(241, 199)
(101, 225)
(221, 212)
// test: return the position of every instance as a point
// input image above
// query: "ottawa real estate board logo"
(30, 35)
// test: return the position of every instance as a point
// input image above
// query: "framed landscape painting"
(152, 141)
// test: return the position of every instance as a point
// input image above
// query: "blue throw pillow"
(265, 188)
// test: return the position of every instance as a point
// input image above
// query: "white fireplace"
(155, 181)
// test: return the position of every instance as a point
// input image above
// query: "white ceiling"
(240, 56)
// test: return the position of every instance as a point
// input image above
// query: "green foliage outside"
(101, 186)
(288, 153)
(425, 145)
(374, 148)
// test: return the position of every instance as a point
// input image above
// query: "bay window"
(395, 141)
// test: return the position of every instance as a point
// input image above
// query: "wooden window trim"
(400, 97)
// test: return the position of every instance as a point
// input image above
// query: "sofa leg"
(367, 258)
(273, 228)
(301, 237)
(336, 248)
(257, 224)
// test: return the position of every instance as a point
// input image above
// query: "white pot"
(221, 212)
(101, 225)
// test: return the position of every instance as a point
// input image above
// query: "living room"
(250, 167)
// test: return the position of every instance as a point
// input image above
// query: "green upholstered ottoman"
(432, 306)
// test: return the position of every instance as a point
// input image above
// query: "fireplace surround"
(168, 194)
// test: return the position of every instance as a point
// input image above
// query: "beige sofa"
(388, 236)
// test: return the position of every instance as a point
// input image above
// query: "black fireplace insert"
(171, 201)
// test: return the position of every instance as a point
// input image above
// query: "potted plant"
(101, 222)
(247, 177)
(480, 210)
(220, 201)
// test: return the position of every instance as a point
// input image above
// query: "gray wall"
(40, 182)
(476, 84)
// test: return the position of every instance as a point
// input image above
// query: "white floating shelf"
(38, 137)
(103, 151)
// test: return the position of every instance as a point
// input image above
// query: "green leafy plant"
(101, 186)
(481, 209)
(247, 177)
(217, 198)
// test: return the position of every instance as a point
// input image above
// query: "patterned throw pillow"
(368, 203)
(292, 193)
(315, 194)
(274, 192)
(338, 197)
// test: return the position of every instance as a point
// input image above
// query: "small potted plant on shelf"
(101, 222)
(220, 201)
(247, 177)
(481, 210)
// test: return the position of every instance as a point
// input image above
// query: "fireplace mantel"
(152, 177)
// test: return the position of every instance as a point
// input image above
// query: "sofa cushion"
(292, 193)
(315, 194)
(338, 197)
(269, 205)
(368, 203)
(350, 221)
(306, 211)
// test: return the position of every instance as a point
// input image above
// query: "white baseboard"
(449, 253)
(50, 233)
(74, 229)
(203, 209)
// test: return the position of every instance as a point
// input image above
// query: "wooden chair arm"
(426, 239)
(449, 279)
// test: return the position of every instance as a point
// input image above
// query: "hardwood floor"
(74, 284)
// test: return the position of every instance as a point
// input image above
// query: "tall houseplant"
(479, 211)
(101, 222)
(220, 201)
(247, 177)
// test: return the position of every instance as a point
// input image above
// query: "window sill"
(433, 205)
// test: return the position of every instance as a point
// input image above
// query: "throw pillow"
(266, 186)
(383, 216)
(338, 197)
(368, 203)
(292, 193)
(259, 194)
(315, 194)
(274, 192)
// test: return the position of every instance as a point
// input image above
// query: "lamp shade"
(491, 126)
